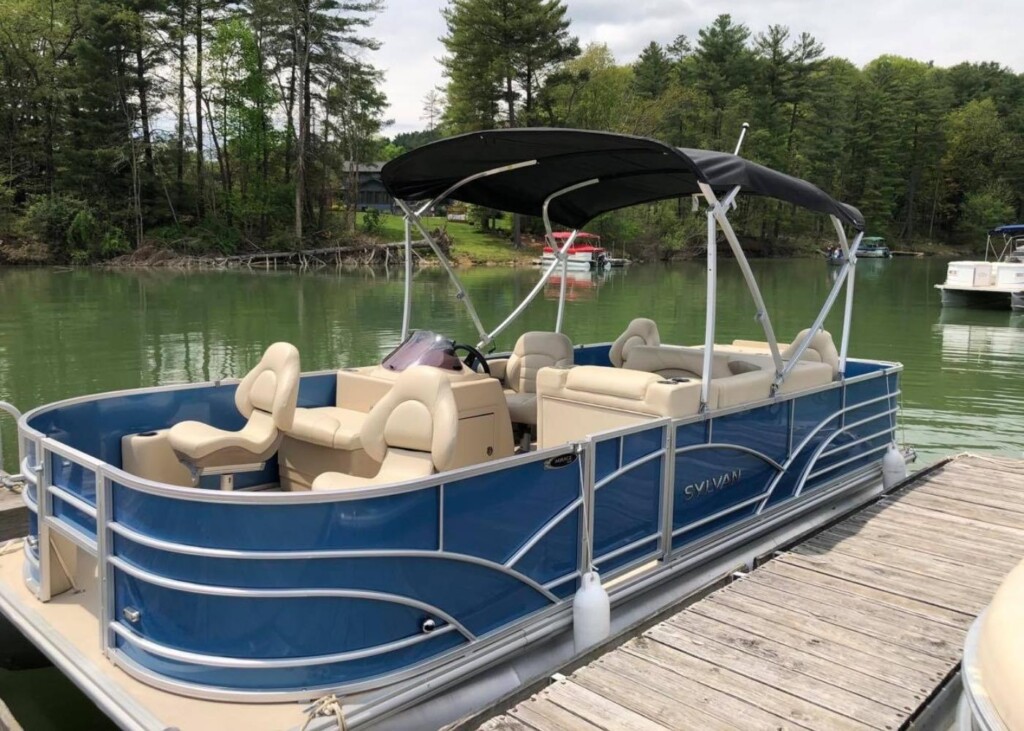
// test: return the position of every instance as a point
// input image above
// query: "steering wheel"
(474, 359)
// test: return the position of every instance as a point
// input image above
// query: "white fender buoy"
(894, 468)
(591, 613)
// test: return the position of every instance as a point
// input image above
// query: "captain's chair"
(533, 351)
(640, 331)
(411, 431)
(266, 397)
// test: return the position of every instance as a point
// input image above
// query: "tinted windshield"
(423, 347)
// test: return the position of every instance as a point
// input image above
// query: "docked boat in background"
(584, 254)
(997, 282)
(406, 543)
(874, 247)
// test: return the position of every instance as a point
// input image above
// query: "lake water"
(66, 333)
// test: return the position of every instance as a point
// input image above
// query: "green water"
(75, 332)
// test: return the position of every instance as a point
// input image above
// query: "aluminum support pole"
(407, 300)
(533, 292)
(559, 255)
(461, 292)
(709, 316)
(848, 313)
(561, 293)
(845, 277)
(721, 215)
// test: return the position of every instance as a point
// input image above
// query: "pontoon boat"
(997, 283)
(583, 256)
(873, 247)
(400, 544)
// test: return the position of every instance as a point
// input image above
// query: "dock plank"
(653, 704)
(852, 628)
(847, 617)
(974, 574)
(973, 552)
(850, 710)
(793, 708)
(796, 660)
(690, 692)
(943, 594)
(808, 575)
(915, 681)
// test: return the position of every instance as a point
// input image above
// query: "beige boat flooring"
(852, 629)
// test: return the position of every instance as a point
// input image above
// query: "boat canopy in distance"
(631, 170)
(1012, 229)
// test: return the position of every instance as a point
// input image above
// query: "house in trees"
(368, 187)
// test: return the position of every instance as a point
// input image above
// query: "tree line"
(926, 153)
(231, 124)
(196, 124)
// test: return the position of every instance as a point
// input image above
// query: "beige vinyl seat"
(267, 397)
(533, 351)
(820, 348)
(640, 331)
(411, 431)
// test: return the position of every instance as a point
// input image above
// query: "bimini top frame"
(571, 176)
(1012, 235)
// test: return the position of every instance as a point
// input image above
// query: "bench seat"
(329, 426)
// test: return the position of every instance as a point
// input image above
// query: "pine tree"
(652, 72)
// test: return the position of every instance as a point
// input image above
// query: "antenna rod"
(743, 133)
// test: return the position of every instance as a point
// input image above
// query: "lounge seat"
(675, 361)
(533, 351)
(639, 332)
(583, 400)
(266, 397)
(411, 432)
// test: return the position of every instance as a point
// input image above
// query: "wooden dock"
(858, 627)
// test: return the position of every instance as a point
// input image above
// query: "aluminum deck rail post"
(44, 508)
(104, 544)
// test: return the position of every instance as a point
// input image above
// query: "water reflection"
(70, 333)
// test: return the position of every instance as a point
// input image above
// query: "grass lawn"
(468, 242)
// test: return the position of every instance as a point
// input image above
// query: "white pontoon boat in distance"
(995, 284)
(377, 545)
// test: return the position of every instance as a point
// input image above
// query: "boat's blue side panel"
(462, 535)
(627, 511)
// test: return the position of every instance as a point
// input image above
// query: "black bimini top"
(630, 169)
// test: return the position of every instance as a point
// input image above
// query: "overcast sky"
(943, 31)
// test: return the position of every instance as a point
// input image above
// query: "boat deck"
(857, 627)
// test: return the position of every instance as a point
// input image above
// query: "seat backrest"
(640, 331)
(272, 386)
(418, 414)
(533, 351)
(821, 343)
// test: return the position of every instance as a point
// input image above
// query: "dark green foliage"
(102, 109)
